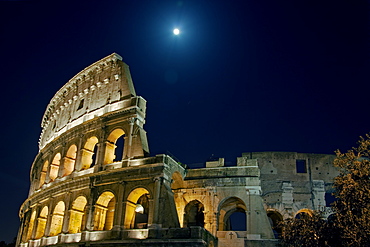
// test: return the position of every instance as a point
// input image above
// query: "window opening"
(77, 215)
(194, 215)
(236, 222)
(54, 167)
(301, 166)
(275, 218)
(104, 212)
(41, 223)
(141, 212)
(57, 219)
(81, 105)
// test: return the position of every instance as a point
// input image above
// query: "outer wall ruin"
(94, 183)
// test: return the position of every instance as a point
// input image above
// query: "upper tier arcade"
(103, 87)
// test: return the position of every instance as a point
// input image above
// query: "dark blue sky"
(242, 76)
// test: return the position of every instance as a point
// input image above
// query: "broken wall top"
(103, 87)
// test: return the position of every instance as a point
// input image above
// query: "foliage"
(350, 223)
(307, 230)
(353, 192)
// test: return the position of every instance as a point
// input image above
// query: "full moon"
(176, 31)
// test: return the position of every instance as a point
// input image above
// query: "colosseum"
(93, 182)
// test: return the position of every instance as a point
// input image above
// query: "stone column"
(61, 162)
(118, 220)
(78, 164)
(130, 135)
(99, 156)
(90, 211)
(156, 200)
(67, 214)
(49, 217)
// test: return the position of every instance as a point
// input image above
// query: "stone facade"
(94, 183)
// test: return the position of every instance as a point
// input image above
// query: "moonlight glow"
(176, 31)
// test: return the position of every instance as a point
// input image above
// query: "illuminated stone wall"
(93, 181)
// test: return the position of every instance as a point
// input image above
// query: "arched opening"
(57, 219)
(137, 209)
(194, 215)
(31, 223)
(43, 173)
(77, 215)
(104, 212)
(275, 218)
(70, 160)
(232, 215)
(41, 223)
(54, 167)
(114, 146)
(304, 213)
(236, 221)
(87, 153)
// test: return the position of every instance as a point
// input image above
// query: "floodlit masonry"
(94, 183)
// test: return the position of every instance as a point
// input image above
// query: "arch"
(111, 148)
(70, 160)
(54, 167)
(31, 224)
(41, 222)
(193, 215)
(104, 211)
(275, 218)
(137, 209)
(44, 171)
(228, 207)
(303, 213)
(77, 215)
(88, 152)
(57, 219)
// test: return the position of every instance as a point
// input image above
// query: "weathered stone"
(87, 189)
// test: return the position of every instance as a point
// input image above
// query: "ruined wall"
(293, 181)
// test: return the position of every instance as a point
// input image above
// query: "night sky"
(242, 76)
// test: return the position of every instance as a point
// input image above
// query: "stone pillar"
(318, 194)
(48, 219)
(130, 136)
(33, 234)
(61, 162)
(125, 147)
(287, 195)
(99, 156)
(118, 219)
(156, 200)
(67, 214)
(90, 211)
(78, 165)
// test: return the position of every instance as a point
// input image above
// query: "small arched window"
(275, 218)
(88, 153)
(114, 152)
(232, 215)
(57, 219)
(194, 215)
(137, 209)
(70, 160)
(104, 212)
(41, 223)
(31, 224)
(77, 215)
(43, 173)
(54, 167)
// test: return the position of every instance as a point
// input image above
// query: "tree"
(352, 186)
(309, 230)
